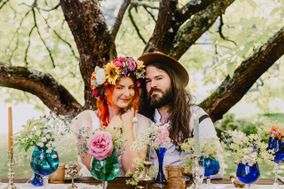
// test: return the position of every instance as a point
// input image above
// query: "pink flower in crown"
(163, 136)
(131, 64)
(118, 62)
(100, 145)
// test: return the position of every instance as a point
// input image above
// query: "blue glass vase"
(210, 164)
(248, 174)
(160, 180)
(43, 164)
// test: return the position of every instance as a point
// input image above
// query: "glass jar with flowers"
(37, 134)
(248, 151)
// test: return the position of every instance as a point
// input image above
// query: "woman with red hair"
(117, 89)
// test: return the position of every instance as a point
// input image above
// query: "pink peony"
(163, 136)
(131, 64)
(100, 145)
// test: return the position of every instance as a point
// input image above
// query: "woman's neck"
(113, 111)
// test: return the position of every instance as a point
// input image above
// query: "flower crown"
(114, 70)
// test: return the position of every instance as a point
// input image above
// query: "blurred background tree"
(49, 48)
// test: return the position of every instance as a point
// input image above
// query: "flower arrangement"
(101, 142)
(209, 147)
(36, 132)
(118, 67)
(155, 136)
(248, 149)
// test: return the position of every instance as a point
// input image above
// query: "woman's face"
(123, 93)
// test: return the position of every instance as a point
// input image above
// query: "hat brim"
(154, 57)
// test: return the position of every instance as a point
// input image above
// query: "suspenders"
(201, 118)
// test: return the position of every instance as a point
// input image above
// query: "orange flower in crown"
(276, 132)
(114, 70)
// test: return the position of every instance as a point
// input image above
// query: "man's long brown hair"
(179, 106)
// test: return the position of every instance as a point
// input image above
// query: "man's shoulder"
(197, 110)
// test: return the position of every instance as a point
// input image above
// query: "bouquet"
(248, 149)
(209, 148)
(36, 132)
(155, 136)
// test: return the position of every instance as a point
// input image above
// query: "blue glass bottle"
(248, 174)
(43, 164)
(161, 179)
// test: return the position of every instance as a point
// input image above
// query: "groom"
(165, 100)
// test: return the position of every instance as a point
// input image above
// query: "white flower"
(100, 75)
(38, 133)
(47, 136)
(43, 139)
(40, 144)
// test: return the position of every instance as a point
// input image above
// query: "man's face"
(158, 86)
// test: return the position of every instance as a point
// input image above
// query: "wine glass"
(197, 173)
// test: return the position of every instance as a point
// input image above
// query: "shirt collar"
(157, 116)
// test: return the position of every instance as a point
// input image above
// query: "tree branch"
(135, 25)
(196, 26)
(191, 8)
(233, 89)
(165, 28)
(42, 85)
(119, 18)
(93, 40)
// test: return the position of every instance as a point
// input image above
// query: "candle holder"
(73, 173)
(11, 184)
(146, 173)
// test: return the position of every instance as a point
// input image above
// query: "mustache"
(154, 90)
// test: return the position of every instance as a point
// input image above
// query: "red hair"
(102, 104)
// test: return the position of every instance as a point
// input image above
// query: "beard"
(158, 102)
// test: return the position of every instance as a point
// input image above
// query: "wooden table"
(119, 183)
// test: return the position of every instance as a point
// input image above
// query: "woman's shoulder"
(86, 118)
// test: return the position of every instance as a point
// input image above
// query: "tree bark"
(233, 89)
(92, 37)
(165, 28)
(42, 85)
(196, 26)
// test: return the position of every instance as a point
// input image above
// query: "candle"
(196, 135)
(10, 130)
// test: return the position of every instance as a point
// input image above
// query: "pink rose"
(100, 145)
